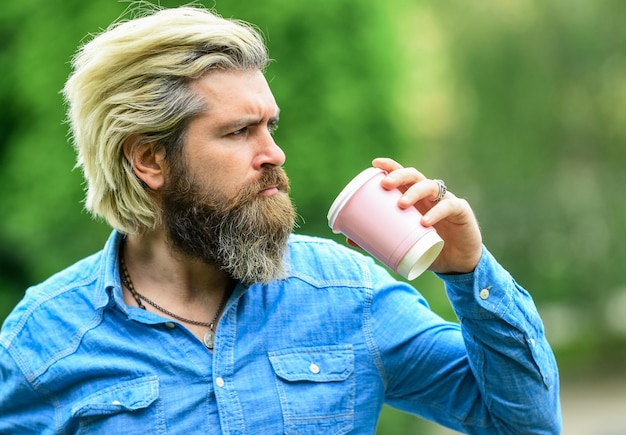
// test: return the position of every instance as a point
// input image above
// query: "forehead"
(231, 93)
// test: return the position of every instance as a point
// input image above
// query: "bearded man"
(203, 313)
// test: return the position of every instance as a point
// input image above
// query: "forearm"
(512, 362)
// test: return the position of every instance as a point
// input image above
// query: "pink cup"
(369, 215)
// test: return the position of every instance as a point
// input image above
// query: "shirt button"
(314, 368)
(170, 325)
(219, 382)
(116, 402)
(484, 293)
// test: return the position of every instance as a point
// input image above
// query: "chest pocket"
(126, 407)
(316, 386)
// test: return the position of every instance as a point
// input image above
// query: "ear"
(147, 161)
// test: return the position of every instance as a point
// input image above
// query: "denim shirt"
(318, 352)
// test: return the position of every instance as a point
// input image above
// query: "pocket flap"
(122, 397)
(316, 364)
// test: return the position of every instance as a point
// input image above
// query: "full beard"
(245, 236)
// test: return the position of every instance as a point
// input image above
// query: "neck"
(168, 277)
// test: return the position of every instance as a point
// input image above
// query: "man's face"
(226, 197)
(231, 144)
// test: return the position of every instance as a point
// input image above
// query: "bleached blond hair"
(133, 82)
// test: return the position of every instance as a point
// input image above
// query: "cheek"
(227, 168)
(226, 178)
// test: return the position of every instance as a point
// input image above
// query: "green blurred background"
(519, 105)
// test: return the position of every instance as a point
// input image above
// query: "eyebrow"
(247, 121)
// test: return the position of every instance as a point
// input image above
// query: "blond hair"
(132, 82)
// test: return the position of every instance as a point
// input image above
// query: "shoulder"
(59, 286)
(305, 243)
(52, 315)
(325, 263)
(59, 292)
(321, 261)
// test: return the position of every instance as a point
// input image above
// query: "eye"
(239, 132)
(272, 126)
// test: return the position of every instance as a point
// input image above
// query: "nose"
(270, 154)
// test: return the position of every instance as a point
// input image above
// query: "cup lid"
(421, 256)
(347, 192)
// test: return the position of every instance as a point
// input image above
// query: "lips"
(269, 191)
(273, 181)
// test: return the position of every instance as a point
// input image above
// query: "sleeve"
(22, 409)
(492, 373)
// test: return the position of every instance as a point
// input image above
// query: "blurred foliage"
(519, 105)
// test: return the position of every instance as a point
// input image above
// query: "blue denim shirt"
(318, 352)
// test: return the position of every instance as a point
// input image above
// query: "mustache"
(272, 177)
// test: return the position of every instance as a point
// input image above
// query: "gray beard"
(245, 236)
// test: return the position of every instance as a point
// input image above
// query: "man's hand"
(452, 217)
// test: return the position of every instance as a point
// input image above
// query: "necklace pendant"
(209, 339)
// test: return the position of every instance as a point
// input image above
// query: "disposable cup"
(369, 215)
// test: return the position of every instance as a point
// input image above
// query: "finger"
(351, 242)
(402, 179)
(424, 189)
(398, 175)
(453, 209)
(386, 164)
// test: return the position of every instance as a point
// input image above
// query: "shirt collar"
(111, 291)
